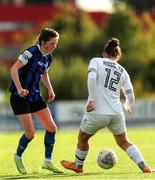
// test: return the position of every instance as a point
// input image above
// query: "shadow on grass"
(57, 176)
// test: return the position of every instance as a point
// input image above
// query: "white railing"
(71, 113)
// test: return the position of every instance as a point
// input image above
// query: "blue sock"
(49, 141)
(23, 142)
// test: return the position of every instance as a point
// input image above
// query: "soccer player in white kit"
(106, 78)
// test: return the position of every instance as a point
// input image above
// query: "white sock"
(80, 157)
(47, 160)
(134, 153)
(18, 156)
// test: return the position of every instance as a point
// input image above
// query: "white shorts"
(92, 122)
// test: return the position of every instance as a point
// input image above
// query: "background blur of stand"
(68, 114)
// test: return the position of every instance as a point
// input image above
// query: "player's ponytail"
(112, 48)
(114, 42)
(45, 35)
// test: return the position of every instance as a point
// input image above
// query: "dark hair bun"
(114, 42)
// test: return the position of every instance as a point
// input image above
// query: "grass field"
(65, 148)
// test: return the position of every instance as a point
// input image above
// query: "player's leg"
(27, 124)
(21, 109)
(132, 151)
(118, 128)
(87, 129)
(82, 148)
(45, 117)
(80, 154)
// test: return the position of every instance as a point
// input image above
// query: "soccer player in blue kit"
(26, 73)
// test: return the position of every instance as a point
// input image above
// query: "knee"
(30, 135)
(52, 128)
(55, 128)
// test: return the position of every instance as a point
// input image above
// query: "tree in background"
(137, 48)
(69, 82)
(4, 78)
(77, 33)
(81, 40)
(140, 5)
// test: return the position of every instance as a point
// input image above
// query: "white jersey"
(111, 78)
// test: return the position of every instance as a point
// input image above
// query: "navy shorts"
(21, 106)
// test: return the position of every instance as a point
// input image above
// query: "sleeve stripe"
(129, 91)
(92, 69)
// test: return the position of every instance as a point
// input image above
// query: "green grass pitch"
(65, 149)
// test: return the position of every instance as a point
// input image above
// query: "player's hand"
(129, 111)
(127, 108)
(23, 92)
(51, 95)
(90, 106)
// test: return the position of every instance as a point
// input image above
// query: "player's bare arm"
(47, 83)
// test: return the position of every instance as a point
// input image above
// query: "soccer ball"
(106, 158)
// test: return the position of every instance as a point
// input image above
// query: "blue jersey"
(35, 64)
